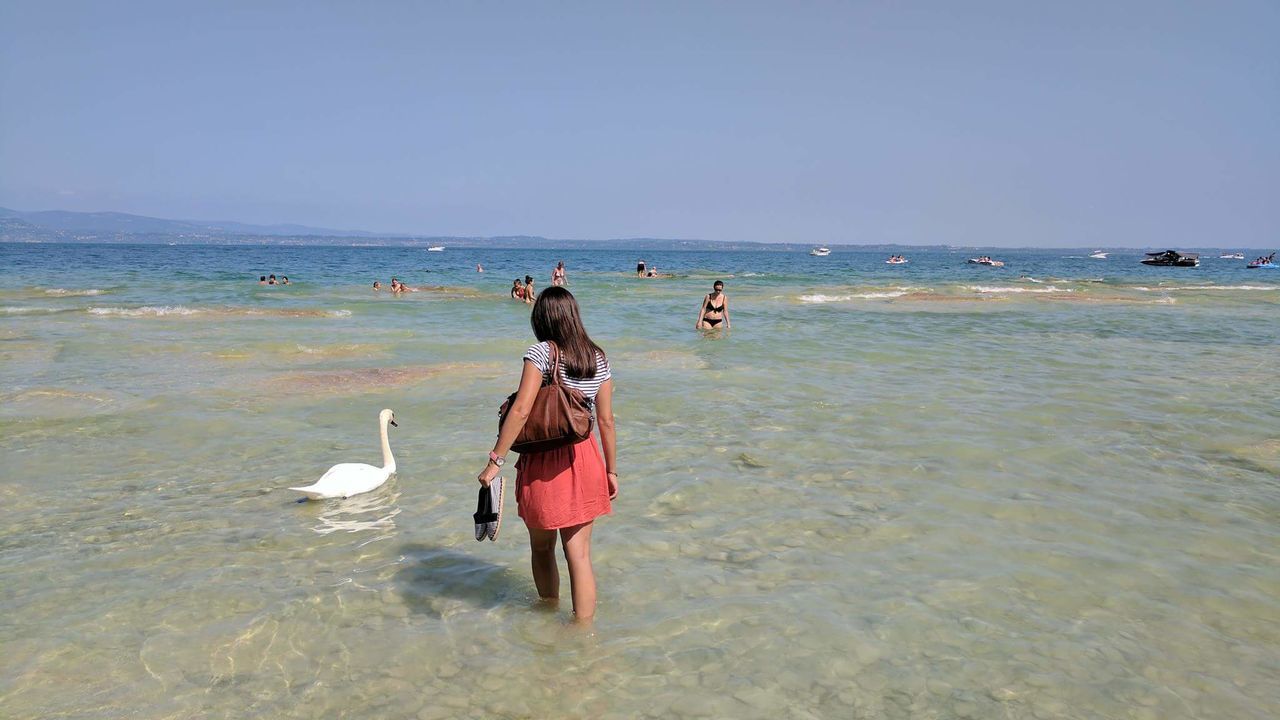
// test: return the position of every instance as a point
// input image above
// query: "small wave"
(988, 289)
(27, 310)
(180, 310)
(1264, 288)
(1228, 287)
(64, 292)
(148, 310)
(819, 298)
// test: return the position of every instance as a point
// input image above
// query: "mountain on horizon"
(117, 222)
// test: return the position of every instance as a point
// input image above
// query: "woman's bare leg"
(582, 580)
(546, 576)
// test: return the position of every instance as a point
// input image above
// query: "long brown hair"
(556, 318)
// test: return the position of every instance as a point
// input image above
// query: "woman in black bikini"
(714, 309)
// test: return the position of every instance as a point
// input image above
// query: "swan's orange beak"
(393, 423)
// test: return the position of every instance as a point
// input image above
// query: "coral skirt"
(562, 487)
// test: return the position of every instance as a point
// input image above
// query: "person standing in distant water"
(714, 309)
(529, 293)
(271, 279)
(557, 275)
(479, 268)
(563, 490)
(639, 268)
(517, 290)
(262, 279)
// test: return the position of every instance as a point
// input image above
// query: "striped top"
(540, 356)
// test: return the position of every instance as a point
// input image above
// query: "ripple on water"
(55, 402)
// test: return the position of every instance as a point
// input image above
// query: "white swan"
(346, 479)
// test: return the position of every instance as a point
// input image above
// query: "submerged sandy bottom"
(1024, 507)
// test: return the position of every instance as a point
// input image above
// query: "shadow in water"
(432, 576)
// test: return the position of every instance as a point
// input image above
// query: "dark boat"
(1172, 258)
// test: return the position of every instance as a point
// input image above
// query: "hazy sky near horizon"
(987, 123)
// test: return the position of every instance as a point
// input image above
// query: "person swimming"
(714, 309)
(517, 290)
(479, 268)
(377, 286)
(262, 279)
(271, 279)
(284, 279)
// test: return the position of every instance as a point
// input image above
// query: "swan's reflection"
(374, 511)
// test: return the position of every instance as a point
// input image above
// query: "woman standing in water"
(714, 309)
(557, 275)
(563, 490)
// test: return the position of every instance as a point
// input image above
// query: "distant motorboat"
(897, 261)
(820, 252)
(1098, 255)
(1231, 256)
(436, 248)
(986, 261)
(1172, 258)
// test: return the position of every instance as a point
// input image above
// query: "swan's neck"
(388, 462)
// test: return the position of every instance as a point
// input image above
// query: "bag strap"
(555, 363)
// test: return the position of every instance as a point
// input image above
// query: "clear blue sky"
(1012, 123)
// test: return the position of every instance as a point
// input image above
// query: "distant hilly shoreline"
(114, 227)
(123, 228)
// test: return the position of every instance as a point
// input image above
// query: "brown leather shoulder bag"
(560, 414)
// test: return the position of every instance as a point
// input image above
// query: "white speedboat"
(436, 248)
(897, 261)
(820, 252)
(1098, 255)
(1231, 256)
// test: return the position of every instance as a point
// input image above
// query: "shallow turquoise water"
(936, 490)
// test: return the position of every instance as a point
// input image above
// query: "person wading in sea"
(563, 490)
